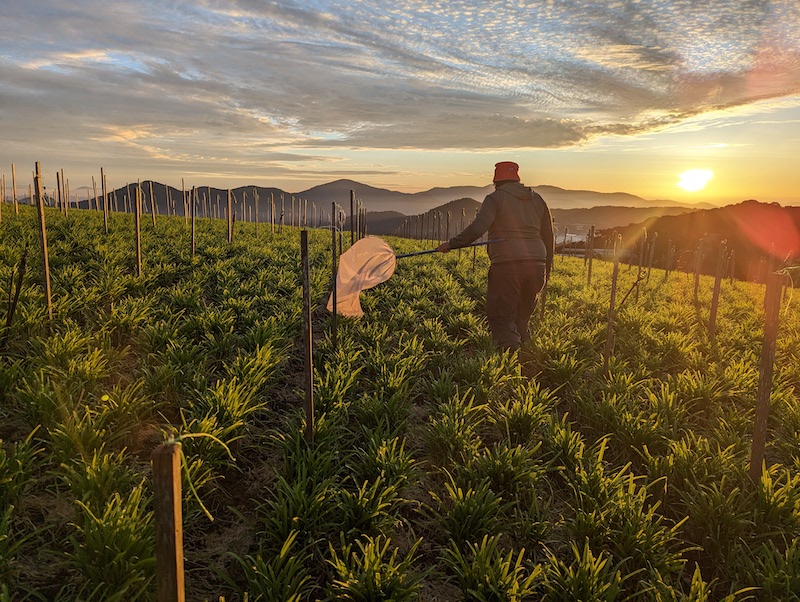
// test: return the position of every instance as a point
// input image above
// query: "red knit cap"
(505, 170)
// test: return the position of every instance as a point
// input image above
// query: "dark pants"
(511, 294)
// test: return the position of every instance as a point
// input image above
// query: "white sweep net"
(367, 263)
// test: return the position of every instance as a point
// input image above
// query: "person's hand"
(444, 247)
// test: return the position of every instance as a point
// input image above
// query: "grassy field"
(439, 471)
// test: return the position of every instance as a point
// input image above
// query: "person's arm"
(548, 237)
(476, 229)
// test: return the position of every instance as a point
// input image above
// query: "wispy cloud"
(276, 78)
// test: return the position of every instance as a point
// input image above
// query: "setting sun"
(695, 179)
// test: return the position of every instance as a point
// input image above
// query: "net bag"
(367, 263)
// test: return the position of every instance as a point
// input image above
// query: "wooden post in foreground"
(308, 340)
(168, 517)
(772, 305)
(43, 238)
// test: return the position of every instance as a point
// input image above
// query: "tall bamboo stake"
(642, 247)
(611, 307)
(152, 204)
(308, 340)
(352, 216)
(255, 202)
(43, 238)
(712, 320)
(589, 257)
(193, 210)
(697, 262)
(652, 253)
(185, 206)
(334, 323)
(105, 199)
(138, 223)
(14, 188)
(230, 216)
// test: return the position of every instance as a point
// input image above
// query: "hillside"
(212, 201)
(751, 229)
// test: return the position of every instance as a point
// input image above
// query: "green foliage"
(282, 576)
(369, 572)
(573, 482)
(467, 514)
(111, 548)
(485, 574)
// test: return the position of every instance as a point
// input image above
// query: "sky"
(617, 96)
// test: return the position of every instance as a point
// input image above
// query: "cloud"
(242, 77)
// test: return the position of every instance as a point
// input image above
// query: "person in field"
(521, 262)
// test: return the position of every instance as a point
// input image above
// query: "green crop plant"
(95, 479)
(110, 548)
(646, 461)
(385, 459)
(369, 509)
(452, 434)
(511, 472)
(588, 576)
(485, 574)
(465, 514)
(520, 418)
(282, 576)
(368, 571)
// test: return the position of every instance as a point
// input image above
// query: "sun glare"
(695, 179)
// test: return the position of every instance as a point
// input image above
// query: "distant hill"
(379, 199)
(754, 231)
(213, 201)
(579, 221)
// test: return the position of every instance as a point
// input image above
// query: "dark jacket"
(520, 216)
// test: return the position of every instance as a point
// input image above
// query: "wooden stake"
(193, 210)
(589, 256)
(14, 188)
(255, 202)
(168, 516)
(152, 204)
(138, 223)
(611, 309)
(230, 216)
(772, 305)
(307, 339)
(43, 238)
(334, 322)
(105, 199)
(352, 217)
(712, 320)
